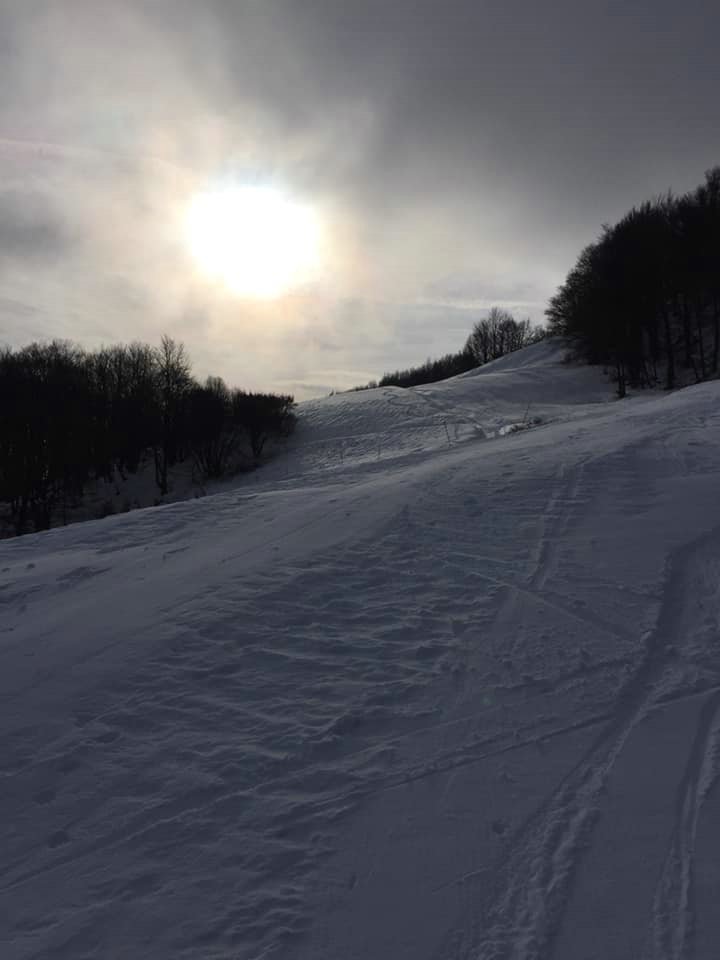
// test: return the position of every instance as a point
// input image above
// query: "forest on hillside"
(491, 337)
(644, 298)
(70, 418)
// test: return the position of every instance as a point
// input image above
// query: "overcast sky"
(459, 153)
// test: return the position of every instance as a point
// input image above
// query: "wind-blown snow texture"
(426, 688)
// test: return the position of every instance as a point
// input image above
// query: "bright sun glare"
(255, 240)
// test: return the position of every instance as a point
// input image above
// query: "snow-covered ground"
(424, 688)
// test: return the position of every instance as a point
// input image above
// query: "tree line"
(69, 417)
(644, 298)
(490, 338)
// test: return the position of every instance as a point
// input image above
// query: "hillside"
(391, 423)
(424, 688)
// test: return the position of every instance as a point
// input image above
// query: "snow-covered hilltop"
(429, 686)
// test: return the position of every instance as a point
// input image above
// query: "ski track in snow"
(390, 698)
(522, 922)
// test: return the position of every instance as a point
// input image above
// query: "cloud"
(460, 153)
(31, 228)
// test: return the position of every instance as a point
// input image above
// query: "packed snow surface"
(442, 682)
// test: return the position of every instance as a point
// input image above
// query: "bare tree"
(173, 374)
(497, 334)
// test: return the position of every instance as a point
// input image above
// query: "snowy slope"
(358, 429)
(416, 692)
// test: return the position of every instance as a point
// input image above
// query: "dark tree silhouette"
(213, 435)
(173, 385)
(68, 417)
(261, 416)
(430, 371)
(492, 337)
(500, 333)
(644, 299)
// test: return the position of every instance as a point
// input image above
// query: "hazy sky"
(458, 153)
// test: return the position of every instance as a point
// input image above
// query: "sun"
(256, 241)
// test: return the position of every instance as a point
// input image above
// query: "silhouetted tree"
(45, 446)
(174, 380)
(262, 416)
(645, 297)
(499, 333)
(431, 371)
(213, 434)
(490, 338)
(68, 417)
